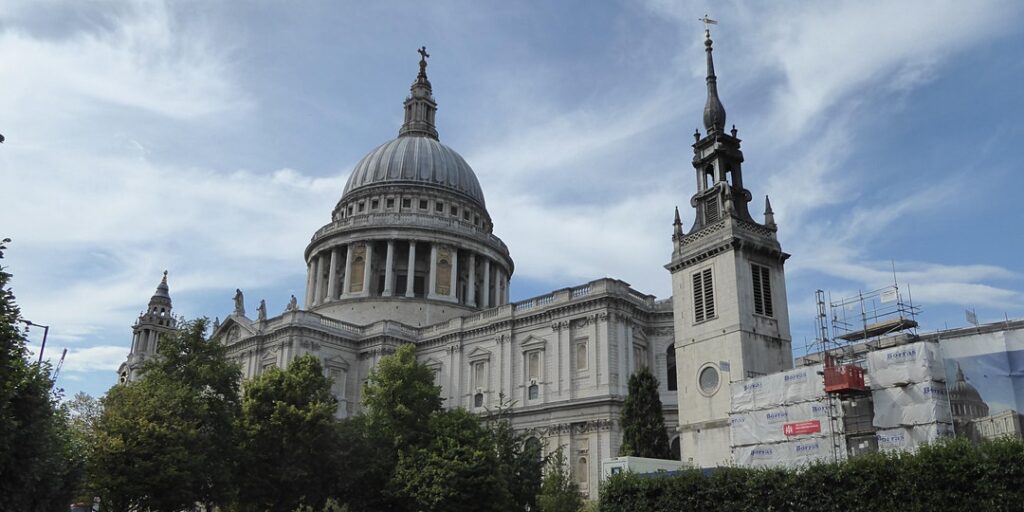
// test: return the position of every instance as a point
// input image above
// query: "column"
(497, 286)
(485, 288)
(506, 283)
(389, 270)
(367, 268)
(347, 283)
(471, 286)
(310, 272)
(411, 273)
(455, 275)
(432, 285)
(332, 276)
(322, 289)
(317, 290)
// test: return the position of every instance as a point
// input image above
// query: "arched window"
(670, 367)
(478, 400)
(676, 452)
(582, 471)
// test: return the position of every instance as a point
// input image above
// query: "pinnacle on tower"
(769, 215)
(677, 227)
(714, 112)
(420, 106)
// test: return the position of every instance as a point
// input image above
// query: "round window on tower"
(707, 379)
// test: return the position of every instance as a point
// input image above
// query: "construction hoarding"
(788, 387)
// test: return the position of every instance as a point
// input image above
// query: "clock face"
(708, 380)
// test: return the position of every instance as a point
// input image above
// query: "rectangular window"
(581, 355)
(639, 357)
(439, 207)
(465, 214)
(362, 206)
(480, 375)
(703, 296)
(533, 365)
(391, 203)
(454, 210)
(374, 204)
(406, 203)
(762, 282)
(423, 204)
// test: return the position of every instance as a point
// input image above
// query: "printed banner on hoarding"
(985, 377)
(801, 428)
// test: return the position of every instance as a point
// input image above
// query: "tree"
(456, 470)
(400, 397)
(643, 424)
(289, 439)
(519, 456)
(39, 468)
(559, 492)
(168, 440)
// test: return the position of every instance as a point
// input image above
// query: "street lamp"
(46, 330)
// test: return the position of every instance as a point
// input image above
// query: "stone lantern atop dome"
(410, 239)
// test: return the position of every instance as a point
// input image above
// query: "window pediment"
(479, 354)
(337, 362)
(533, 343)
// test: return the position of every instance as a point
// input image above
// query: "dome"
(963, 391)
(415, 159)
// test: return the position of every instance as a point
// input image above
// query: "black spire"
(714, 112)
(420, 105)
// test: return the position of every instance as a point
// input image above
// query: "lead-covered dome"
(416, 159)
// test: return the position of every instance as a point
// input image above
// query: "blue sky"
(212, 139)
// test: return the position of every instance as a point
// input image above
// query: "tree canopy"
(643, 424)
(290, 443)
(559, 492)
(168, 440)
(400, 396)
(39, 466)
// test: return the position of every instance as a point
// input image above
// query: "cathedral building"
(409, 256)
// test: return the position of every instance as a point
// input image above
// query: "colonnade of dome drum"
(381, 268)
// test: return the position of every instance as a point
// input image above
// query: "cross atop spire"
(423, 60)
(420, 106)
(714, 112)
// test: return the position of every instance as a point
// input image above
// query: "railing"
(414, 220)
(581, 291)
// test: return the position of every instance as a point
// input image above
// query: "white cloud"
(98, 358)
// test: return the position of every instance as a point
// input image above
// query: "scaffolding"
(865, 318)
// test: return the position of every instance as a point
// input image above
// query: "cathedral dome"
(413, 159)
(963, 391)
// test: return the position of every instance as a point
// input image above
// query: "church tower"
(152, 323)
(728, 289)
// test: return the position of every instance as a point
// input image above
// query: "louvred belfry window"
(711, 212)
(703, 296)
(762, 290)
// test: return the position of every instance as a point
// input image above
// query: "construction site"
(871, 382)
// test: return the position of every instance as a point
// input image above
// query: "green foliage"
(455, 470)
(520, 458)
(559, 492)
(168, 441)
(289, 439)
(951, 475)
(400, 396)
(643, 424)
(40, 467)
(368, 462)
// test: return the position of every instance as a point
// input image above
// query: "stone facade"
(409, 256)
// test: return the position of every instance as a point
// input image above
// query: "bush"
(950, 475)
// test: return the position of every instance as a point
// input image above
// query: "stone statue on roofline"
(261, 311)
(239, 303)
(293, 304)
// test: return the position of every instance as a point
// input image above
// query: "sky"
(211, 139)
